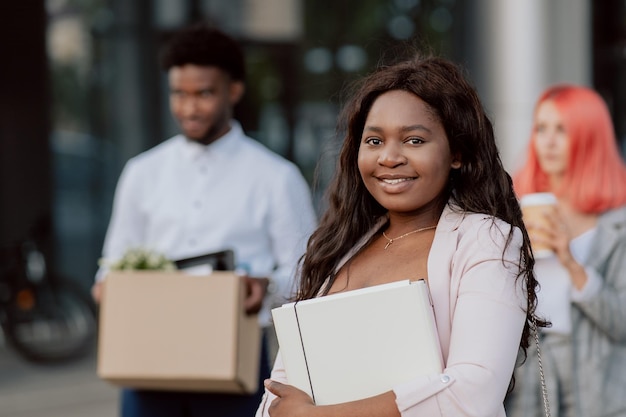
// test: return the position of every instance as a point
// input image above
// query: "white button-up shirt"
(185, 199)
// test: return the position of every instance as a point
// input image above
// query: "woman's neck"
(556, 182)
(401, 223)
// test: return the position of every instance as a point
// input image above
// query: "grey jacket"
(598, 337)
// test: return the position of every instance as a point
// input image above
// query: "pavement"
(69, 389)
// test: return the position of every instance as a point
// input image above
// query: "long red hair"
(595, 180)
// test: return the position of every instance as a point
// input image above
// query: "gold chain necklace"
(390, 241)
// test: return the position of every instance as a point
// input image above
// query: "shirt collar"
(224, 145)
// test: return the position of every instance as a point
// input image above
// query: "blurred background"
(81, 90)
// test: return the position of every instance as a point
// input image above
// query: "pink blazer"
(479, 307)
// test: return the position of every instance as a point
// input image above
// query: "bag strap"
(544, 391)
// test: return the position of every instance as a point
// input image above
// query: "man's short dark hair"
(205, 46)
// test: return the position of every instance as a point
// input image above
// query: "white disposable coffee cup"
(535, 208)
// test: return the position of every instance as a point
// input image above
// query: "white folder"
(356, 344)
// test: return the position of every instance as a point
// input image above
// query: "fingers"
(552, 225)
(289, 402)
(274, 387)
(255, 294)
(556, 222)
(96, 292)
(551, 233)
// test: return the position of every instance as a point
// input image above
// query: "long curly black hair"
(481, 185)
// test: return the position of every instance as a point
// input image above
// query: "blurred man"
(207, 189)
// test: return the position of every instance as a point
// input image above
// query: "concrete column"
(519, 48)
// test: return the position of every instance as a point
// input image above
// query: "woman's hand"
(290, 401)
(550, 232)
(557, 236)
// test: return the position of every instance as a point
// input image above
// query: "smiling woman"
(420, 193)
(404, 158)
(572, 155)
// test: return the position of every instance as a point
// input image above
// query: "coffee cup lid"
(536, 199)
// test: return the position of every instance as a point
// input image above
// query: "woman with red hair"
(573, 155)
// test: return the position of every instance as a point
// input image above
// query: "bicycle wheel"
(60, 325)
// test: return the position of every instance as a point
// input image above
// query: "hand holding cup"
(539, 212)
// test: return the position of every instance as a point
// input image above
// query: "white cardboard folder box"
(352, 345)
(175, 331)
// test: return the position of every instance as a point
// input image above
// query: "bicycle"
(43, 317)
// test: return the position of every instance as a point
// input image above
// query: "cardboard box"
(175, 331)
